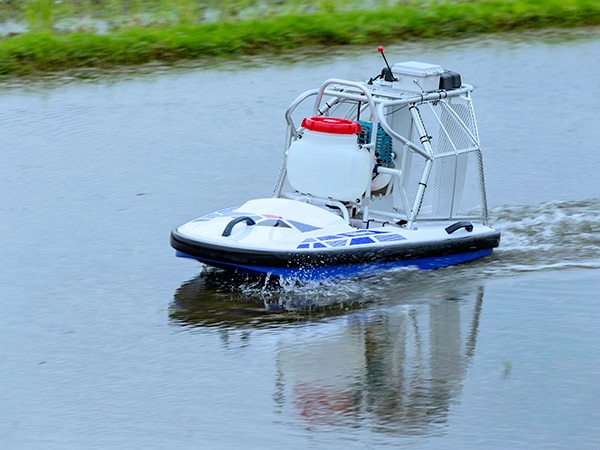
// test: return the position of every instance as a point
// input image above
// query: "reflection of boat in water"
(380, 174)
(396, 363)
(399, 369)
(226, 300)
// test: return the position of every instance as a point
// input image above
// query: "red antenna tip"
(380, 48)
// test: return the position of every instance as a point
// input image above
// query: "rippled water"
(108, 340)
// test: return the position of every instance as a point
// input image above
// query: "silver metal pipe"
(394, 134)
(360, 86)
(321, 201)
(280, 180)
(388, 214)
(388, 171)
(420, 192)
(294, 105)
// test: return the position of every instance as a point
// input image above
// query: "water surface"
(107, 340)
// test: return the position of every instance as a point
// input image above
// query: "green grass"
(41, 49)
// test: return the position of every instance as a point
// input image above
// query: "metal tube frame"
(377, 103)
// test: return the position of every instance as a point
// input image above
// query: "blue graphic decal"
(328, 238)
(207, 217)
(357, 238)
(303, 227)
(272, 223)
(304, 246)
(362, 240)
(318, 245)
(390, 238)
(264, 220)
(227, 210)
(241, 213)
(221, 213)
(362, 233)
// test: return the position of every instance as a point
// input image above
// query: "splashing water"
(544, 236)
(549, 235)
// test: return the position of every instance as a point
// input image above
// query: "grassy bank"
(43, 48)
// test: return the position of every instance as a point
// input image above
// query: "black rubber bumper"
(330, 257)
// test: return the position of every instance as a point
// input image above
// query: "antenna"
(389, 76)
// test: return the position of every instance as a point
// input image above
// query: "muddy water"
(107, 340)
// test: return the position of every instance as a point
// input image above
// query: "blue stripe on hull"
(332, 272)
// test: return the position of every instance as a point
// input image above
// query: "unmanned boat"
(379, 174)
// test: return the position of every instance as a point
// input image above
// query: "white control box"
(416, 76)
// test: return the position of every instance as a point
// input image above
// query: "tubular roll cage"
(377, 102)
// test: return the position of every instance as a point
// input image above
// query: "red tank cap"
(331, 125)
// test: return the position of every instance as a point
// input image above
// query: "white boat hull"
(294, 239)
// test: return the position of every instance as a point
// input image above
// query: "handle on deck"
(234, 222)
(462, 224)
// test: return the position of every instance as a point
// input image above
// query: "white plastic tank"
(327, 161)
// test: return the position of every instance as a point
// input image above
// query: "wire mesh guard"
(455, 188)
